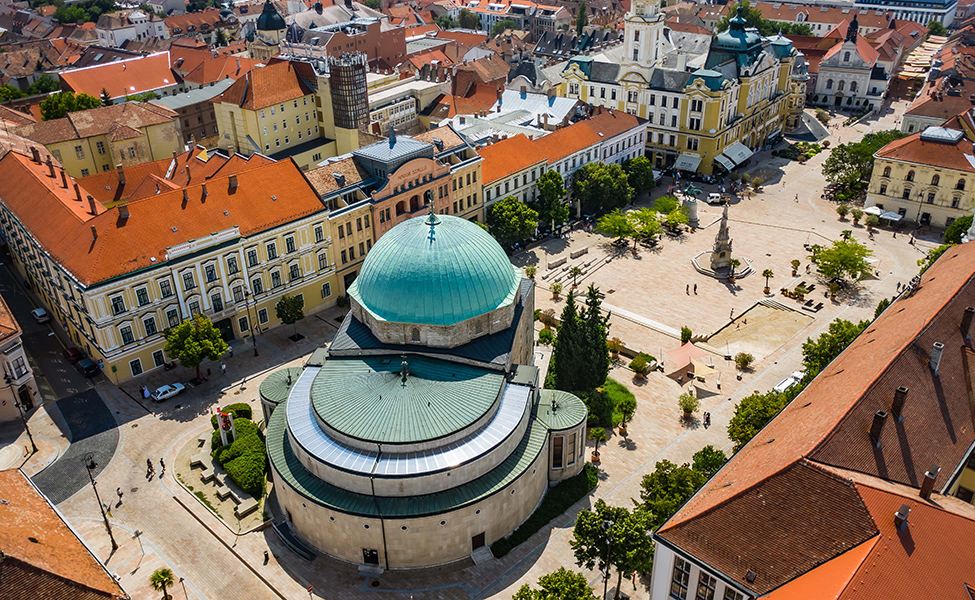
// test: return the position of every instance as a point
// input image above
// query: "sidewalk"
(274, 348)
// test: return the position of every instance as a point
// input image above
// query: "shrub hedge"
(246, 458)
(615, 392)
(556, 501)
(239, 409)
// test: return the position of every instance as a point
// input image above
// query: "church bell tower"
(643, 31)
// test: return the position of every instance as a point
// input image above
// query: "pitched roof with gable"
(266, 196)
(118, 120)
(122, 78)
(733, 523)
(508, 156)
(913, 149)
(863, 48)
(212, 70)
(820, 14)
(324, 181)
(264, 86)
(42, 555)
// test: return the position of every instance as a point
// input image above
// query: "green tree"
(767, 274)
(842, 210)
(676, 217)
(667, 489)
(469, 20)
(502, 26)
(220, 38)
(611, 536)
(596, 326)
(937, 28)
(582, 18)
(932, 255)
(45, 84)
(753, 18)
(845, 258)
(143, 97)
(646, 222)
(192, 341)
(567, 352)
(601, 187)
(598, 436)
(957, 229)
(106, 98)
(881, 307)
(851, 163)
(160, 580)
(511, 220)
(819, 352)
(560, 585)
(753, 413)
(58, 105)
(445, 21)
(616, 224)
(290, 309)
(639, 173)
(708, 460)
(9, 92)
(666, 204)
(550, 206)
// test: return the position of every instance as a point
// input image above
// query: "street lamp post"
(23, 413)
(250, 318)
(89, 459)
(920, 204)
(608, 527)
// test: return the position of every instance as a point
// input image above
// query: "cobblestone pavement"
(649, 304)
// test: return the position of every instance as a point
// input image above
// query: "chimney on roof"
(50, 166)
(897, 406)
(900, 517)
(94, 232)
(877, 426)
(930, 476)
(35, 154)
(121, 173)
(186, 197)
(233, 182)
(91, 205)
(77, 193)
(64, 179)
(966, 321)
(204, 191)
(189, 178)
(123, 211)
(936, 351)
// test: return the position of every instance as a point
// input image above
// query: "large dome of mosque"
(435, 275)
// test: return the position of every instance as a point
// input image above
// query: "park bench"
(246, 507)
(206, 474)
(201, 460)
(202, 440)
(224, 492)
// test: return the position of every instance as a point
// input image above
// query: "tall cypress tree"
(568, 353)
(596, 353)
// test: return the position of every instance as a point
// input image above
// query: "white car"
(790, 381)
(167, 391)
(40, 315)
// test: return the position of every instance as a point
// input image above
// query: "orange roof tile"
(265, 86)
(266, 196)
(937, 154)
(507, 157)
(42, 552)
(122, 78)
(119, 121)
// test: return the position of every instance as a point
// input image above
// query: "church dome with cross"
(439, 270)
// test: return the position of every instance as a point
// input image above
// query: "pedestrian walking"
(119, 492)
(149, 464)
(797, 198)
(732, 313)
(898, 286)
(695, 289)
(707, 420)
(231, 352)
(223, 368)
(162, 465)
(687, 290)
(895, 235)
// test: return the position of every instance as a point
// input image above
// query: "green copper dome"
(438, 274)
(270, 20)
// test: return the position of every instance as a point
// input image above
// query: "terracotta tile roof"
(122, 78)
(211, 70)
(265, 86)
(816, 14)
(785, 525)
(118, 120)
(507, 157)
(428, 58)
(937, 154)
(15, 117)
(674, 24)
(42, 556)
(863, 48)
(193, 166)
(463, 38)
(27, 59)
(447, 106)
(8, 324)
(447, 135)
(266, 196)
(324, 181)
(563, 142)
(828, 424)
(929, 103)
(829, 579)
(209, 17)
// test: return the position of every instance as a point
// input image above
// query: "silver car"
(167, 391)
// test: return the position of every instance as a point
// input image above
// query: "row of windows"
(906, 195)
(935, 179)
(284, 123)
(360, 223)
(281, 107)
(706, 584)
(364, 247)
(287, 140)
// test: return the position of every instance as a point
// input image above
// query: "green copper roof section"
(275, 387)
(286, 465)
(561, 410)
(368, 399)
(438, 274)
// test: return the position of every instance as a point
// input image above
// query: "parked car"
(715, 198)
(790, 381)
(167, 391)
(87, 367)
(40, 315)
(73, 354)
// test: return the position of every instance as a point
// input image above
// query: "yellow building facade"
(707, 119)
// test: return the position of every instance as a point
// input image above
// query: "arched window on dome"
(415, 334)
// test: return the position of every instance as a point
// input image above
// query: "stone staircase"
(482, 555)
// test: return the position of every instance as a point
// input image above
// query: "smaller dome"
(270, 20)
